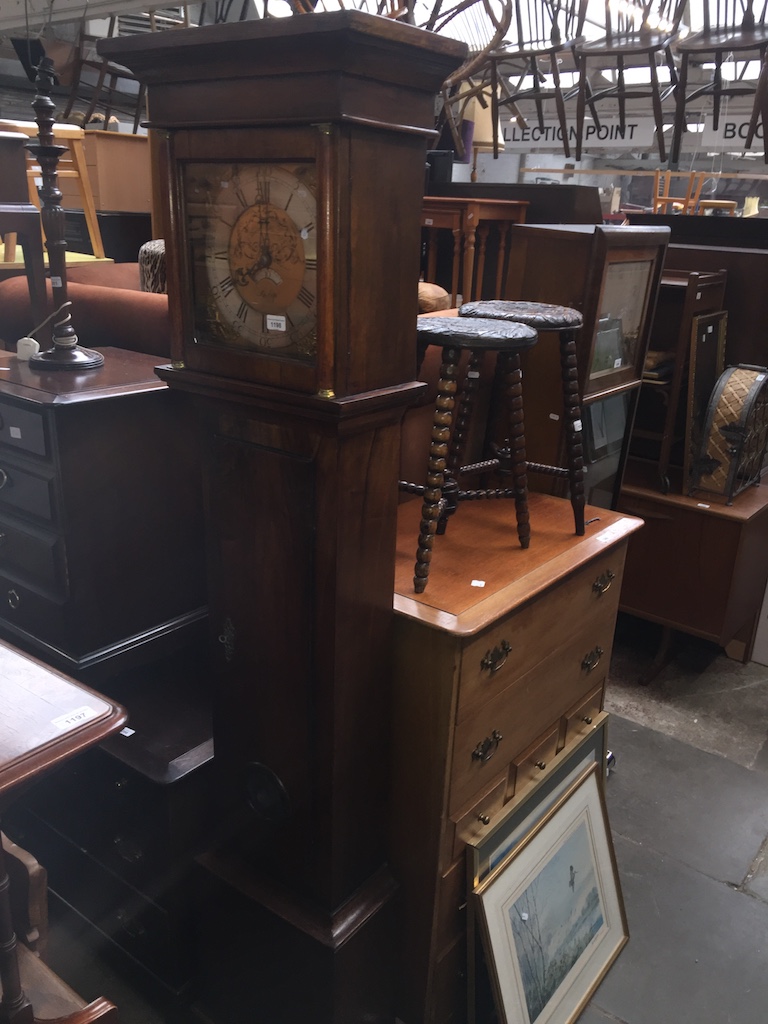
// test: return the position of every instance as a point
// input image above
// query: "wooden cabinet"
(499, 673)
(101, 551)
(611, 275)
(699, 565)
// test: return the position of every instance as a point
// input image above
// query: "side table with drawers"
(499, 675)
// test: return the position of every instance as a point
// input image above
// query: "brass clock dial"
(252, 228)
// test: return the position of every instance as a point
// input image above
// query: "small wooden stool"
(441, 493)
(564, 321)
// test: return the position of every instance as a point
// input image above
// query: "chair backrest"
(630, 21)
(538, 24)
(663, 202)
(732, 15)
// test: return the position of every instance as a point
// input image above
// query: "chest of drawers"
(499, 673)
(101, 548)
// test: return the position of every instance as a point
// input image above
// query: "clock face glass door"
(252, 237)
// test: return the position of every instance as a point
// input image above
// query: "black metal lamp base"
(66, 359)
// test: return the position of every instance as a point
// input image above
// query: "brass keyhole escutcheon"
(603, 582)
(592, 659)
(495, 658)
(485, 750)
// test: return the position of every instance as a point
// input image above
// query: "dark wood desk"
(47, 719)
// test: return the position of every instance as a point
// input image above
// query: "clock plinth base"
(67, 359)
(269, 956)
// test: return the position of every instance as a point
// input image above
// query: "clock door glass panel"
(619, 332)
(252, 239)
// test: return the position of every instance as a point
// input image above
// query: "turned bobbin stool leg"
(564, 322)
(441, 493)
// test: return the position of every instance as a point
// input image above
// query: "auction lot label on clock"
(252, 237)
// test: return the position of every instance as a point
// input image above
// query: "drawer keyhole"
(495, 658)
(603, 582)
(592, 660)
(484, 751)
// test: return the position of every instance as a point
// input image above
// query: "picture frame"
(551, 914)
(487, 850)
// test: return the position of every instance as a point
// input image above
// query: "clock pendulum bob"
(292, 270)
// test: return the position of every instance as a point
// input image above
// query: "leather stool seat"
(441, 492)
(564, 321)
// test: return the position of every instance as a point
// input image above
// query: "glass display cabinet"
(611, 274)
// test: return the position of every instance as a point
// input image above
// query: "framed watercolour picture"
(552, 915)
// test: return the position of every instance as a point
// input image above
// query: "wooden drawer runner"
(491, 736)
(496, 657)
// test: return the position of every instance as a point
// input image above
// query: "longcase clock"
(295, 155)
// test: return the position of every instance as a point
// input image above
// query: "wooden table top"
(47, 718)
(479, 571)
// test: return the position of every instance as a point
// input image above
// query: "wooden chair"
(72, 164)
(663, 202)
(733, 32)
(629, 43)
(541, 32)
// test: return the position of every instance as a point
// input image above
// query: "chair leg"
(657, 114)
(581, 104)
(560, 105)
(760, 110)
(513, 392)
(572, 409)
(436, 470)
(679, 126)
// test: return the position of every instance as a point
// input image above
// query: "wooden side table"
(47, 719)
(475, 217)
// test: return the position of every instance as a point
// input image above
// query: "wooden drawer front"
(472, 824)
(493, 659)
(451, 920)
(580, 719)
(487, 740)
(29, 611)
(23, 491)
(23, 429)
(531, 766)
(32, 554)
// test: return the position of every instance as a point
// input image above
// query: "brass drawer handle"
(484, 751)
(587, 719)
(592, 659)
(13, 599)
(3, 478)
(603, 582)
(495, 659)
(541, 765)
(484, 819)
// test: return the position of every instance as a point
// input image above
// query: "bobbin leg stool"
(564, 321)
(441, 493)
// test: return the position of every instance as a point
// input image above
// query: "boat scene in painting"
(555, 919)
